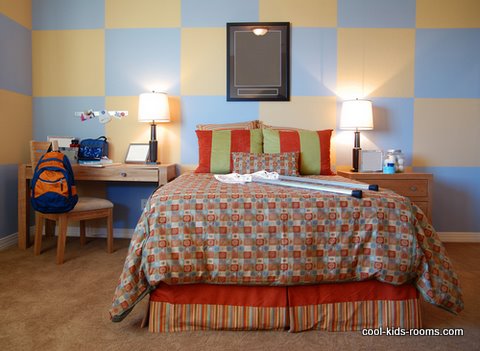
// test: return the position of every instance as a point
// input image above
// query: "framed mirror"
(258, 61)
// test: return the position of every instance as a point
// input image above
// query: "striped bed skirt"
(328, 307)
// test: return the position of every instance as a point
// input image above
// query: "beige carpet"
(48, 307)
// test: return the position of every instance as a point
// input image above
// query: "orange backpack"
(53, 187)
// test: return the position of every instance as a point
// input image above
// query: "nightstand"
(417, 186)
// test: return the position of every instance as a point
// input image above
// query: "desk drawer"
(405, 187)
(123, 174)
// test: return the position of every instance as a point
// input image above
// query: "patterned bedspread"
(196, 229)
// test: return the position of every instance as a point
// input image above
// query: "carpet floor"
(48, 307)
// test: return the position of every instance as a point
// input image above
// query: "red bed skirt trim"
(207, 294)
(346, 292)
(276, 296)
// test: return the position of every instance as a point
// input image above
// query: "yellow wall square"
(19, 10)
(16, 131)
(448, 14)
(142, 13)
(305, 112)
(203, 62)
(304, 13)
(446, 133)
(122, 132)
(375, 62)
(68, 63)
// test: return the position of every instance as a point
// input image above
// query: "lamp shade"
(356, 115)
(153, 107)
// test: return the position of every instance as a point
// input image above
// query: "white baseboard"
(8, 241)
(459, 237)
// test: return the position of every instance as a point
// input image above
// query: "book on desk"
(104, 162)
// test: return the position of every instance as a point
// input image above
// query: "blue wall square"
(54, 116)
(140, 60)
(447, 63)
(216, 13)
(127, 199)
(209, 109)
(376, 13)
(9, 200)
(393, 125)
(456, 198)
(15, 57)
(68, 14)
(314, 61)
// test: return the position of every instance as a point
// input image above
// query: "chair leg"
(62, 238)
(110, 231)
(37, 246)
(83, 238)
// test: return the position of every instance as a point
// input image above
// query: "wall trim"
(459, 237)
(8, 241)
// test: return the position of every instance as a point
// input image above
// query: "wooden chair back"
(38, 148)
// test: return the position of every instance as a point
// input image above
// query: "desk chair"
(86, 208)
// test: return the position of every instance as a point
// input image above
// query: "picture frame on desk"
(137, 153)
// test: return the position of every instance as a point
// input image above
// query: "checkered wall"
(416, 60)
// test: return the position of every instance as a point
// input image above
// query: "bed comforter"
(198, 230)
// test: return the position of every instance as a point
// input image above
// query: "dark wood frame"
(273, 92)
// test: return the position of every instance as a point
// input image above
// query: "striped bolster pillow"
(216, 146)
(313, 146)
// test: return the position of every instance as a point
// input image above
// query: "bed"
(254, 256)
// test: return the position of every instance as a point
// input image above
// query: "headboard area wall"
(419, 67)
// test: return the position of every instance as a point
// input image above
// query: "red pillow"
(215, 148)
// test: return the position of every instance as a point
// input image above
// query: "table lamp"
(356, 115)
(153, 107)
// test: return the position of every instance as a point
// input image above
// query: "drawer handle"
(413, 188)
(123, 174)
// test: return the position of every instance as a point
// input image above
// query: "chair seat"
(91, 203)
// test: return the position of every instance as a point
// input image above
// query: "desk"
(159, 174)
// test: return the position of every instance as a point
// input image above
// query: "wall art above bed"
(258, 61)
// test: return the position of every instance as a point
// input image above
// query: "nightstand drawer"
(406, 187)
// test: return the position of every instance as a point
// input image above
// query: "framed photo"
(371, 161)
(137, 153)
(258, 61)
(63, 141)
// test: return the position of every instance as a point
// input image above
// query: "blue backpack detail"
(53, 187)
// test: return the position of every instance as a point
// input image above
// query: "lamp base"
(355, 158)
(356, 152)
(152, 152)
